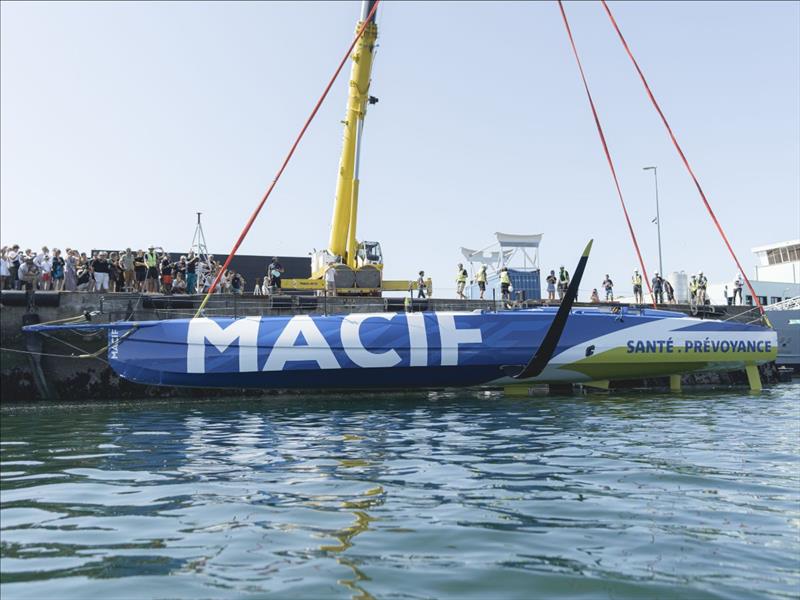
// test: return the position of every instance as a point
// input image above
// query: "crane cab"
(369, 253)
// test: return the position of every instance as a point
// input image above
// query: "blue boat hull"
(425, 350)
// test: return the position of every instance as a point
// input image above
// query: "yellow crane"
(358, 266)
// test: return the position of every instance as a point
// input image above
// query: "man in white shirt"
(45, 265)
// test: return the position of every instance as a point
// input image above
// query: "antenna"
(200, 248)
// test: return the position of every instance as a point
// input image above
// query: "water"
(463, 495)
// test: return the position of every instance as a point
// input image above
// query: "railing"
(788, 304)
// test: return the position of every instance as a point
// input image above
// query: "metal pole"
(658, 220)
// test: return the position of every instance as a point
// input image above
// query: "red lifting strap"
(288, 156)
(683, 158)
(608, 153)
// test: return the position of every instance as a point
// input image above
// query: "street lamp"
(658, 220)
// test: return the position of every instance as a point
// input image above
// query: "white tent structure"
(511, 250)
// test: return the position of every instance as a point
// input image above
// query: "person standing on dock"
(702, 285)
(45, 265)
(658, 289)
(421, 285)
(551, 285)
(151, 280)
(330, 281)
(480, 278)
(670, 291)
(461, 281)
(126, 263)
(608, 286)
(637, 287)
(14, 262)
(505, 283)
(563, 282)
(738, 284)
(693, 290)
(4, 271)
(166, 274)
(71, 271)
(191, 273)
(595, 299)
(100, 268)
(29, 273)
(274, 274)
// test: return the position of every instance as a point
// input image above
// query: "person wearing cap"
(274, 273)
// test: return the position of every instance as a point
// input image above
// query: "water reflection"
(347, 496)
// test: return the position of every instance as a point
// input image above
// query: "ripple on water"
(468, 495)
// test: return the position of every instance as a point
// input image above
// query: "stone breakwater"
(35, 367)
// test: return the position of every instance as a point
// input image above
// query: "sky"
(119, 120)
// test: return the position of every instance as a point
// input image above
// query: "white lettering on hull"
(316, 350)
(203, 329)
(418, 340)
(452, 338)
(203, 332)
(354, 348)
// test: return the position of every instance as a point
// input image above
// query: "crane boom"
(342, 237)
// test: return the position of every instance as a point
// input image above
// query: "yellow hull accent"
(675, 383)
(600, 384)
(753, 377)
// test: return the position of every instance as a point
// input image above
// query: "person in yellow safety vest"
(637, 287)
(563, 282)
(505, 283)
(461, 281)
(481, 279)
(702, 284)
(693, 289)
(151, 278)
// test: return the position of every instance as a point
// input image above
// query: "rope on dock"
(48, 354)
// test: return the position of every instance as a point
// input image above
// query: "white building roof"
(775, 245)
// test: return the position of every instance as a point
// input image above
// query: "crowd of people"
(152, 272)
(155, 272)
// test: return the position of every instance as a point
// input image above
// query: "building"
(776, 277)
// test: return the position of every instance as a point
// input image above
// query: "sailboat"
(420, 349)
(429, 349)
